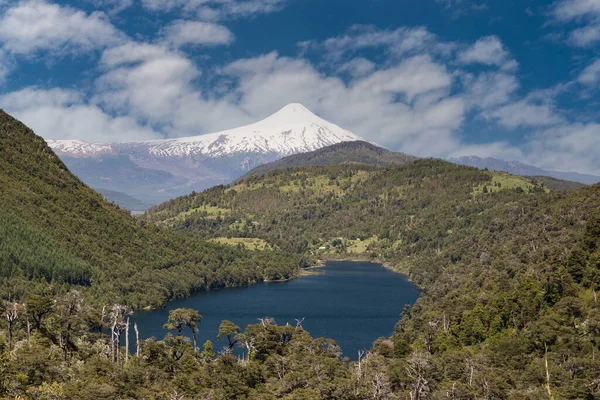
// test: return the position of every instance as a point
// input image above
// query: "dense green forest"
(55, 230)
(510, 269)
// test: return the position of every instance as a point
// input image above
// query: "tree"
(10, 312)
(38, 307)
(180, 318)
(229, 330)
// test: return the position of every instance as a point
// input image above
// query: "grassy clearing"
(503, 181)
(249, 243)
(208, 212)
(359, 246)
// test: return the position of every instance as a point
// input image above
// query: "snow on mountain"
(157, 170)
(79, 148)
(292, 130)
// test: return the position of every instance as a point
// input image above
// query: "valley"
(507, 268)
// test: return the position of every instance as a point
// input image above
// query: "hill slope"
(357, 152)
(557, 184)
(59, 230)
(510, 270)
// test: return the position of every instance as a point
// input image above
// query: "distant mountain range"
(519, 168)
(158, 170)
(357, 152)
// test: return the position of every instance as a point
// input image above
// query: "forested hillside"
(357, 152)
(57, 231)
(510, 270)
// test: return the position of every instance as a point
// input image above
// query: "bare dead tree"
(11, 314)
(266, 321)
(119, 325)
(127, 341)
(418, 370)
(137, 340)
(112, 339)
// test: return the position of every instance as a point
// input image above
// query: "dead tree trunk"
(11, 315)
(137, 340)
(127, 341)
(112, 339)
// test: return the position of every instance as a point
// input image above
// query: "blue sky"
(511, 79)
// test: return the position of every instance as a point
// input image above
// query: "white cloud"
(217, 9)
(145, 80)
(591, 74)
(581, 11)
(586, 36)
(6, 65)
(490, 89)
(36, 25)
(63, 114)
(113, 6)
(488, 51)
(525, 113)
(567, 10)
(568, 147)
(180, 33)
(357, 67)
(399, 42)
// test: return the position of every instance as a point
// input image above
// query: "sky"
(517, 80)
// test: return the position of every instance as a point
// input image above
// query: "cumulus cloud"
(31, 26)
(64, 114)
(399, 42)
(144, 79)
(567, 147)
(218, 9)
(488, 51)
(591, 74)
(582, 11)
(180, 33)
(490, 89)
(567, 10)
(525, 113)
(357, 67)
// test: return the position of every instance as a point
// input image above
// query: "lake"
(353, 303)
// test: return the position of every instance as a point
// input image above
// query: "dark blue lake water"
(353, 303)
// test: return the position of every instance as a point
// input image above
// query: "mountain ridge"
(356, 152)
(199, 162)
(522, 169)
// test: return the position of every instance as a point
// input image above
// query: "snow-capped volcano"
(293, 129)
(157, 170)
